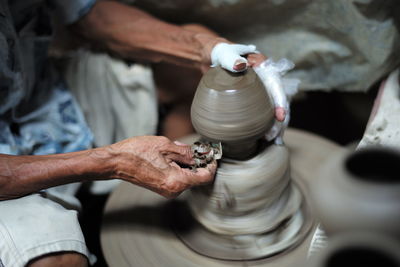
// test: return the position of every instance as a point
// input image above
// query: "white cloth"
(342, 44)
(48, 227)
(226, 55)
(118, 101)
(280, 90)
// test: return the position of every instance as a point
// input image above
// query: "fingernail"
(179, 143)
(240, 66)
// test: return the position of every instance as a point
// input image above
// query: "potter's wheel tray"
(139, 226)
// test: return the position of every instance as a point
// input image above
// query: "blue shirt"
(38, 115)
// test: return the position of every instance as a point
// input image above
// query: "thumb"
(203, 175)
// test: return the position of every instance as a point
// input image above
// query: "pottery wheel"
(138, 224)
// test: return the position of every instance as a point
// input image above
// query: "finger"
(229, 60)
(203, 175)
(173, 157)
(179, 143)
(255, 60)
(180, 153)
(240, 65)
(212, 167)
(280, 114)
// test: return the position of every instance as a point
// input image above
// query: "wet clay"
(252, 210)
(232, 108)
(359, 191)
(139, 226)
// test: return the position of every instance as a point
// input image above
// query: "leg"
(62, 259)
(35, 229)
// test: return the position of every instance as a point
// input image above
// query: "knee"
(62, 259)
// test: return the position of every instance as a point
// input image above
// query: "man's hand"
(132, 34)
(231, 56)
(148, 161)
(153, 162)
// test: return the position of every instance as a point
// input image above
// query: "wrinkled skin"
(148, 161)
(152, 162)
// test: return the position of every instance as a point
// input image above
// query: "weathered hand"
(152, 162)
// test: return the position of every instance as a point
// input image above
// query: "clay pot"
(358, 249)
(359, 191)
(251, 211)
(242, 193)
(233, 108)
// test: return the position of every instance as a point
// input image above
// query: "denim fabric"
(58, 126)
(68, 12)
(38, 115)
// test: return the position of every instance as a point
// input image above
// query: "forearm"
(133, 34)
(21, 175)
